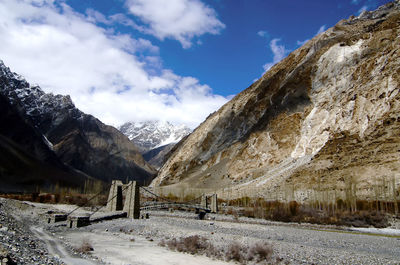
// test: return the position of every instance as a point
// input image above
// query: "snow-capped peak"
(152, 134)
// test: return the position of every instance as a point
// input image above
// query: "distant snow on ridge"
(148, 135)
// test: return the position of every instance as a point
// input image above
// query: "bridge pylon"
(214, 203)
(131, 205)
(132, 200)
(213, 206)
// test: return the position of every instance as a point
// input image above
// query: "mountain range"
(155, 139)
(75, 139)
(150, 135)
(322, 123)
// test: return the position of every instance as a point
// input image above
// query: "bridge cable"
(95, 196)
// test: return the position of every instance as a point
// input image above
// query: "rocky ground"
(126, 241)
(17, 243)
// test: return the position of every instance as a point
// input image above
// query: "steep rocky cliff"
(26, 158)
(325, 121)
(79, 140)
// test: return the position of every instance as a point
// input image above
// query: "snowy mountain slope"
(153, 134)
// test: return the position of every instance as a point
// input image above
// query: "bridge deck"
(166, 205)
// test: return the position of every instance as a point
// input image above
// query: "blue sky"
(175, 60)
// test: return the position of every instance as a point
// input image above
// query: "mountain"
(322, 123)
(153, 134)
(26, 158)
(78, 140)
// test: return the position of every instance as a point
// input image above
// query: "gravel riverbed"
(126, 241)
(18, 245)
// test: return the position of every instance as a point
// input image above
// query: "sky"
(169, 60)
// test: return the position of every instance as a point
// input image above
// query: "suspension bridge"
(128, 200)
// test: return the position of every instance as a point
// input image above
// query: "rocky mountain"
(153, 134)
(322, 123)
(26, 158)
(79, 140)
(157, 156)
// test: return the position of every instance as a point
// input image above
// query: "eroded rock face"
(323, 119)
(79, 140)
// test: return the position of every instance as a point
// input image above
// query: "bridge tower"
(114, 202)
(132, 200)
(131, 205)
(204, 202)
(214, 203)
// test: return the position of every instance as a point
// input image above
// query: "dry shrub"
(364, 219)
(85, 247)
(191, 244)
(368, 214)
(249, 212)
(235, 252)
(260, 252)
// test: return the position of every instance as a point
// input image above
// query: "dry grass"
(260, 252)
(85, 247)
(235, 252)
(367, 213)
(196, 245)
(191, 244)
(67, 198)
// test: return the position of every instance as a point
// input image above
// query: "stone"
(77, 221)
(54, 218)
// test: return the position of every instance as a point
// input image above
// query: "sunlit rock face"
(323, 121)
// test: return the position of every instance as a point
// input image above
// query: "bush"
(235, 252)
(85, 247)
(260, 252)
(369, 213)
(364, 219)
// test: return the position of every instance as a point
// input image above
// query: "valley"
(137, 241)
(301, 167)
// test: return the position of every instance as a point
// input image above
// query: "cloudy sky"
(174, 60)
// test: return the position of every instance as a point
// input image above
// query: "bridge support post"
(114, 202)
(204, 203)
(132, 200)
(214, 203)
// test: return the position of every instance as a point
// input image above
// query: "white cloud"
(320, 30)
(366, 5)
(301, 43)
(263, 34)
(177, 19)
(112, 76)
(279, 52)
(362, 9)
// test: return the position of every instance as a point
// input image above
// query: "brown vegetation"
(57, 194)
(85, 247)
(361, 214)
(259, 252)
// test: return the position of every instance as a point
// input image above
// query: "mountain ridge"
(150, 135)
(79, 140)
(284, 137)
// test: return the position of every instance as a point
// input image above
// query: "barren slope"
(325, 121)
